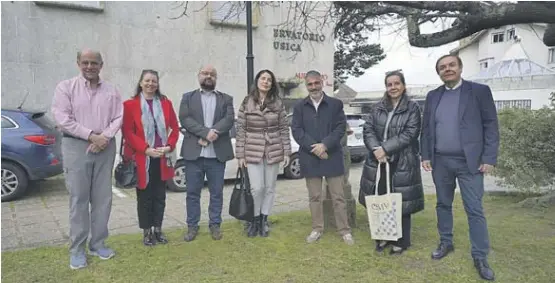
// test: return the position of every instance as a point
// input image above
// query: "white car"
(179, 184)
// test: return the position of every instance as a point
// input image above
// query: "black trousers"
(151, 202)
(403, 242)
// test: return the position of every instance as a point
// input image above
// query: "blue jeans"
(446, 170)
(195, 171)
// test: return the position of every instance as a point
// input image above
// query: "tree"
(468, 17)
(353, 55)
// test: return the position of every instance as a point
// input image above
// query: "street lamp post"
(250, 56)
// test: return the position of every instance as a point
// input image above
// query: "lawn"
(523, 250)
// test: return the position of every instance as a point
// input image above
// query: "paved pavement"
(41, 217)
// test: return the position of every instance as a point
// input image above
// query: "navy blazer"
(478, 125)
(327, 126)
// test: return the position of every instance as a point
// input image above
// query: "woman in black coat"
(391, 134)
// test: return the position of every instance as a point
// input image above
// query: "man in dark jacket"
(207, 116)
(462, 146)
(318, 125)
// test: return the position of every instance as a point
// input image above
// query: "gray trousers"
(446, 170)
(262, 177)
(88, 179)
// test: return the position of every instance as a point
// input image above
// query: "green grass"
(523, 250)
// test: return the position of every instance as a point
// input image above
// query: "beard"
(208, 85)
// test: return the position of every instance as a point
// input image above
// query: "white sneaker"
(348, 239)
(313, 237)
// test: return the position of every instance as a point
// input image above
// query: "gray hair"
(97, 53)
(312, 73)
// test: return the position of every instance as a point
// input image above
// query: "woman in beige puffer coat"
(262, 142)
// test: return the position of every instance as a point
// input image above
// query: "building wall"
(531, 38)
(468, 56)
(532, 43)
(39, 45)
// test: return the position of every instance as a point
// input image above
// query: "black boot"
(159, 236)
(147, 237)
(254, 227)
(264, 227)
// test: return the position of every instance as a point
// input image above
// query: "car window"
(6, 123)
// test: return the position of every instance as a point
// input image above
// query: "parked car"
(31, 150)
(355, 141)
(179, 184)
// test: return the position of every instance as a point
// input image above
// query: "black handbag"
(241, 205)
(126, 171)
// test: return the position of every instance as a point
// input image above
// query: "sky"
(417, 63)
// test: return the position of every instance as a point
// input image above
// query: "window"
(485, 63)
(231, 13)
(498, 37)
(551, 56)
(511, 34)
(8, 123)
(94, 6)
(520, 104)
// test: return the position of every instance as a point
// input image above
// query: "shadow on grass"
(523, 249)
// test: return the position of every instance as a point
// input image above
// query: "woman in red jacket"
(150, 131)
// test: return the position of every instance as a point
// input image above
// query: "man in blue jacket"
(318, 125)
(460, 140)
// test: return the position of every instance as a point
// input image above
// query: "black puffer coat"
(402, 148)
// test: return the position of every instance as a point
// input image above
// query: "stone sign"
(297, 37)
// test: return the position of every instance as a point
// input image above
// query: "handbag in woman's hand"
(125, 172)
(241, 205)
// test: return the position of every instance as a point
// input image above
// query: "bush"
(526, 158)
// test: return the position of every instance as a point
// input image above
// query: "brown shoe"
(215, 232)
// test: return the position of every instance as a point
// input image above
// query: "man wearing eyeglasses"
(207, 116)
(89, 151)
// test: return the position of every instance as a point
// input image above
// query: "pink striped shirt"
(80, 110)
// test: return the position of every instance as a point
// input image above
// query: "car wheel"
(178, 183)
(357, 159)
(293, 170)
(14, 181)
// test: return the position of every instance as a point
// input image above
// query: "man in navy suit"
(460, 140)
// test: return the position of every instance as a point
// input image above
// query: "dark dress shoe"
(215, 232)
(191, 234)
(442, 251)
(483, 269)
(380, 246)
(159, 236)
(253, 228)
(147, 238)
(264, 228)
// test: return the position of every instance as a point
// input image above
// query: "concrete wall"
(39, 45)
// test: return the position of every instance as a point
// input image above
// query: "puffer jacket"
(402, 148)
(262, 134)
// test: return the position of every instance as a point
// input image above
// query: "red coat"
(135, 143)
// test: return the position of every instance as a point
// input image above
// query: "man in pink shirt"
(89, 112)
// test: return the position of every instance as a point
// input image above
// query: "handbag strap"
(242, 174)
(121, 146)
(387, 178)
